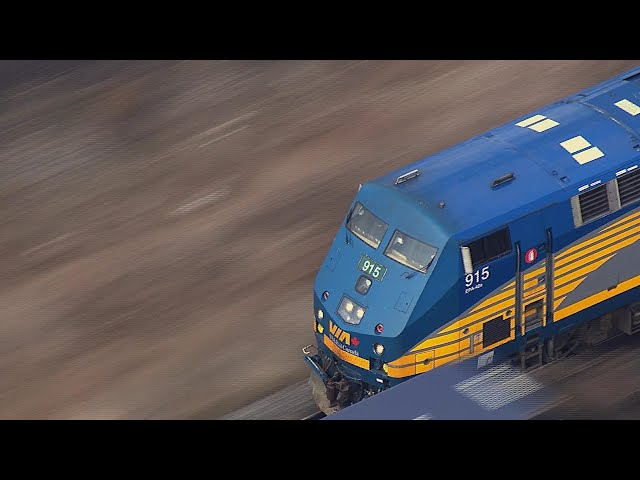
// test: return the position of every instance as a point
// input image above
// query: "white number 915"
(478, 275)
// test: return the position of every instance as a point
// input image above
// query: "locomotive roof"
(553, 153)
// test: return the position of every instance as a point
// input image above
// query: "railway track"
(600, 383)
(291, 403)
(315, 416)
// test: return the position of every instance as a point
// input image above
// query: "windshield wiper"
(423, 269)
(346, 225)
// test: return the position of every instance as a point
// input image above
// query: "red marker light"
(379, 328)
(531, 255)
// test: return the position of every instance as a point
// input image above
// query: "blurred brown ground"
(162, 222)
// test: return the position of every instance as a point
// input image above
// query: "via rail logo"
(342, 339)
(531, 255)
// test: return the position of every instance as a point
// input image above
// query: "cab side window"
(490, 247)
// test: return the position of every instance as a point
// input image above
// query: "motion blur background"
(161, 222)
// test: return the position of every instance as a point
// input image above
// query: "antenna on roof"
(407, 176)
(502, 180)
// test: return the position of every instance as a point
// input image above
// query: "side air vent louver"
(495, 330)
(629, 187)
(594, 203)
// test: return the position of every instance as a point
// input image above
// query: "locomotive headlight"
(320, 328)
(379, 349)
(350, 311)
(320, 314)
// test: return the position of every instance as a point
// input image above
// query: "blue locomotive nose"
(367, 288)
(374, 272)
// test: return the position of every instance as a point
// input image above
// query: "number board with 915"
(371, 267)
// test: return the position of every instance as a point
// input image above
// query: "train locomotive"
(517, 245)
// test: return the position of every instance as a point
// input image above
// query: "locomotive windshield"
(410, 252)
(366, 226)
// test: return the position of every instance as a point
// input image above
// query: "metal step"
(531, 354)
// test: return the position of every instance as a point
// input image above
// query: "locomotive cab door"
(488, 262)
